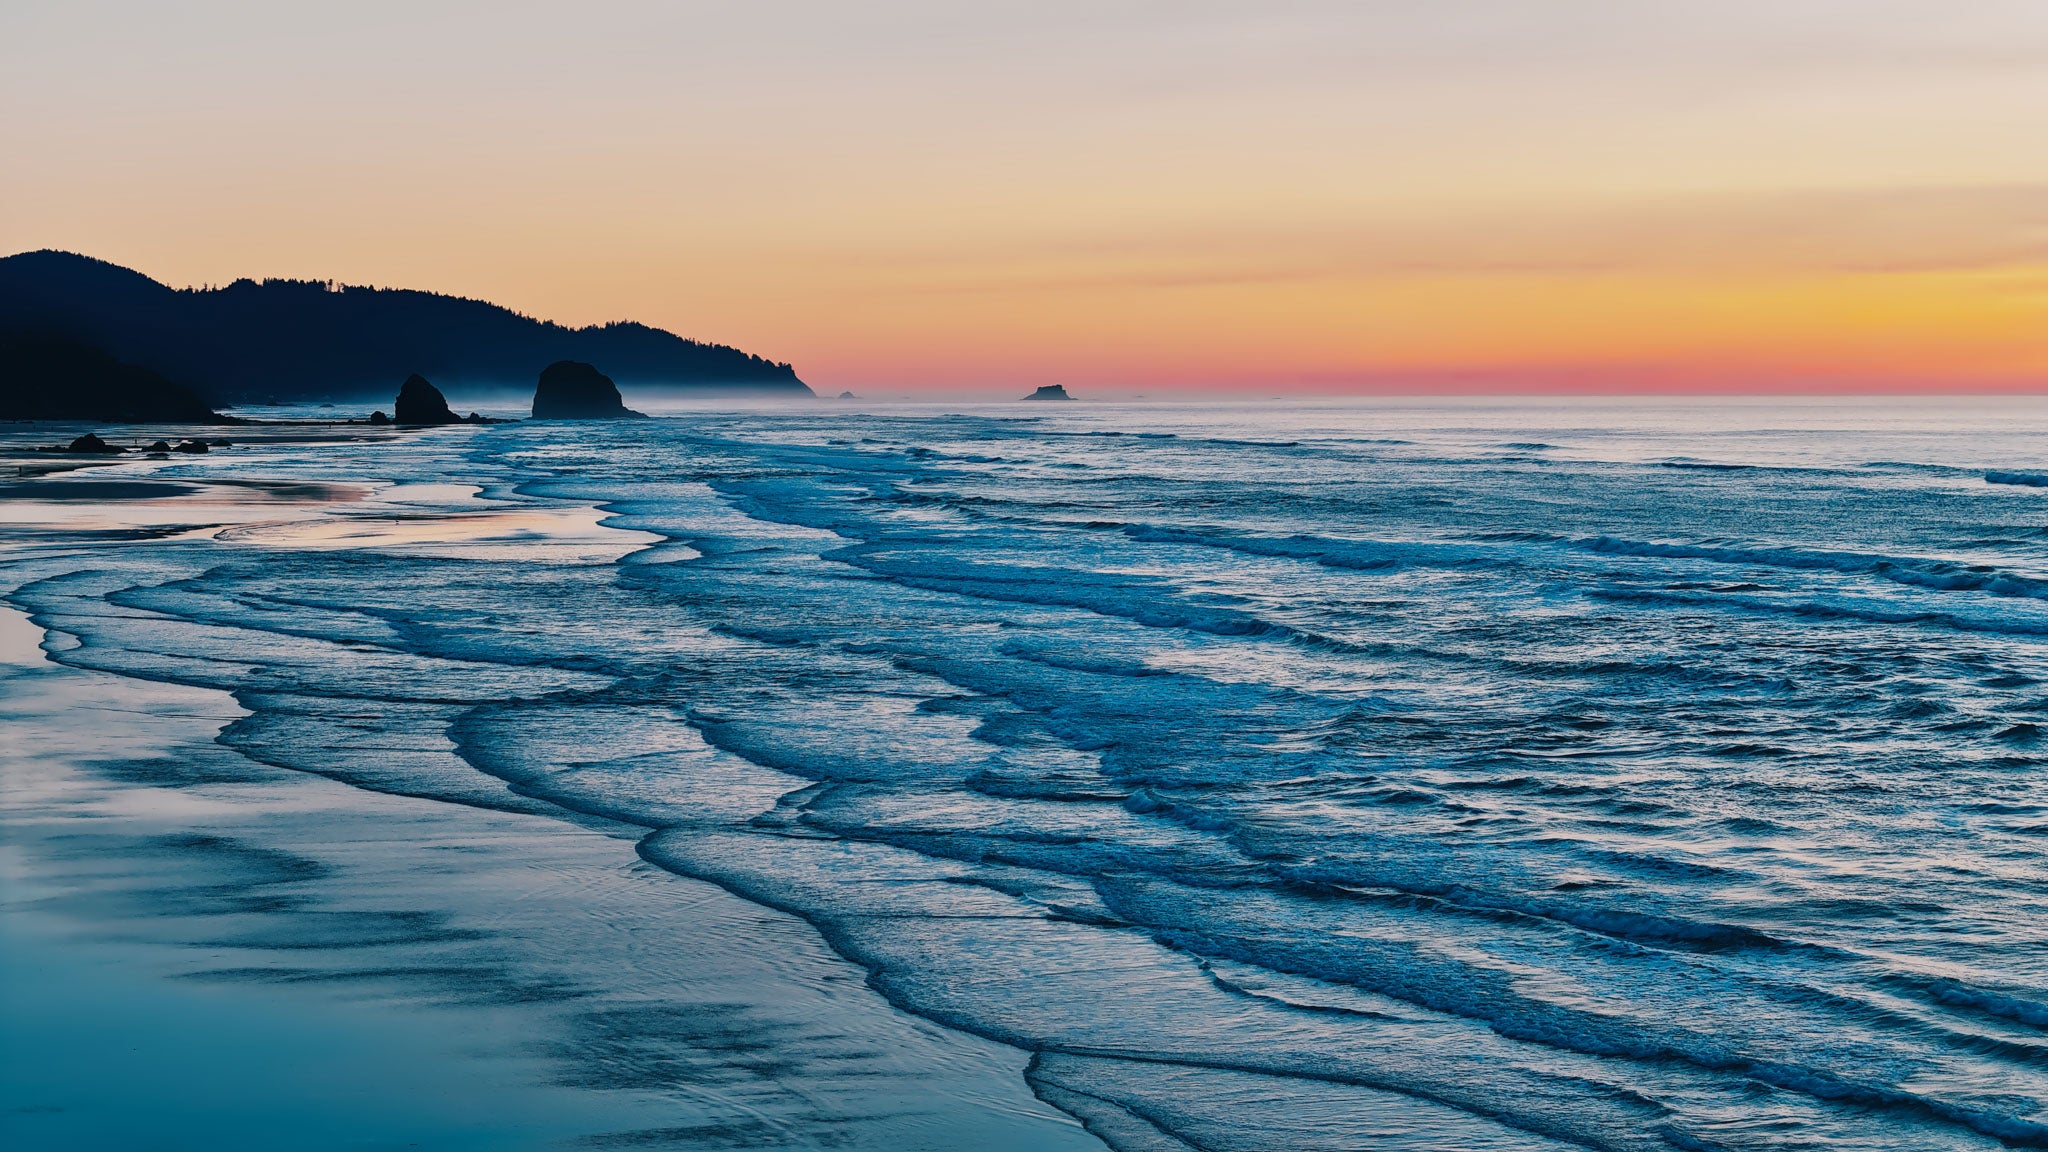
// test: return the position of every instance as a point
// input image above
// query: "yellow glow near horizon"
(1313, 195)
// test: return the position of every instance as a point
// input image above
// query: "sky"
(903, 196)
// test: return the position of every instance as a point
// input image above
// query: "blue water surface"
(1478, 776)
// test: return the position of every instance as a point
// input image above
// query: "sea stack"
(1050, 392)
(572, 390)
(91, 443)
(421, 403)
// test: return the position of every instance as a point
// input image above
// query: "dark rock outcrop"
(192, 446)
(1050, 392)
(91, 443)
(300, 340)
(46, 377)
(379, 419)
(572, 390)
(421, 403)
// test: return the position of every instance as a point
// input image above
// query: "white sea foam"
(1620, 778)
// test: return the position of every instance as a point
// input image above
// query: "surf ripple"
(1279, 780)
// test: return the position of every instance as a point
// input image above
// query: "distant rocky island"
(1050, 392)
(300, 340)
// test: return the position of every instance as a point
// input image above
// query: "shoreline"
(1006, 743)
(494, 980)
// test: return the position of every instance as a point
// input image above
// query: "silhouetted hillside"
(308, 339)
(51, 378)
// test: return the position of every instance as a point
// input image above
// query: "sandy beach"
(1239, 778)
(206, 952)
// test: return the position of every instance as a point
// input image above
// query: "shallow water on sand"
(1396, 776)
(201, 951)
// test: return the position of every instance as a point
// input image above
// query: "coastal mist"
(1485, 776)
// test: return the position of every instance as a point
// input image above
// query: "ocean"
(1476, 775)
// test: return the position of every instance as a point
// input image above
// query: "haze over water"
(1397, 775)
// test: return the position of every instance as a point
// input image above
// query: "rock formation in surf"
(572, 390)
(421, 403)
(91, 443)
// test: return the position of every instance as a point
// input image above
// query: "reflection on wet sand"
(152, 508)
(558, 533)
(156, 499)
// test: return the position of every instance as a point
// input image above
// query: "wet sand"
(201, 951)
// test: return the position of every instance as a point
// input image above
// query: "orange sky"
(1136, 197)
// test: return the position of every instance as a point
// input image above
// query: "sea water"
(1391, 775)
